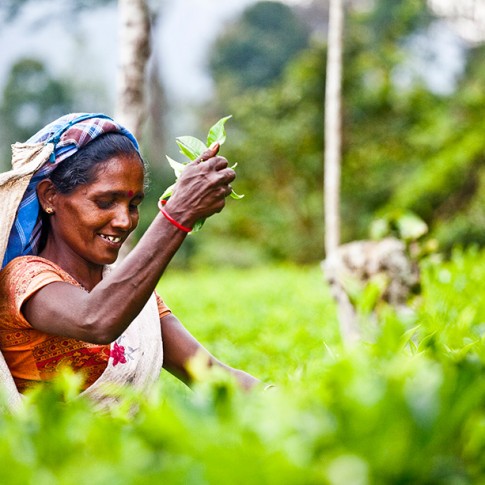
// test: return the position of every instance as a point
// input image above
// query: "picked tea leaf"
(193, 148)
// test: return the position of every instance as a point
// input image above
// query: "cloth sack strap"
(26, 160)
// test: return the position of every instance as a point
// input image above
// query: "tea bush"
(405, 406)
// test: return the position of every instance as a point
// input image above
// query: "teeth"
(113, 239)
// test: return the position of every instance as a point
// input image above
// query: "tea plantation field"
(404, 406)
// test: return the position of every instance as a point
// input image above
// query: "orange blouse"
(34, 356)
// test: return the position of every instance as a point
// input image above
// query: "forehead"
(119, 170)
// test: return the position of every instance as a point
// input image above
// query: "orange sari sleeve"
(19, 280)
(162, 308)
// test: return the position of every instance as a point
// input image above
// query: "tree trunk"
(134, 50)
(333, 142)
(333, 127)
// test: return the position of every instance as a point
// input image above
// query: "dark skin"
(88, 227)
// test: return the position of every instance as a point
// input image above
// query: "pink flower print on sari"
(119, 353)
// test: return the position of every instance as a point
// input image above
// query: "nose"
(122, 218)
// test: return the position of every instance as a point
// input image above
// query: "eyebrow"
(120, 193)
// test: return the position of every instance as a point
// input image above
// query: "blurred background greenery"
(412, 129)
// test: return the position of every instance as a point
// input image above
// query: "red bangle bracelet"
(172, 220)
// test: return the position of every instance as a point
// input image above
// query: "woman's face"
(93, 221)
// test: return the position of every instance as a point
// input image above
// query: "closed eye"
(135, 202)
(105, 204)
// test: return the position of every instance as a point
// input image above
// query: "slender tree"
(333, 135)
(332, 165)
(134, 51)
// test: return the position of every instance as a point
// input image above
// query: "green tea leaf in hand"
(198, 225)
(191, 147)
(167, 193)
(177, 167)
(217, 132)
(235, 195)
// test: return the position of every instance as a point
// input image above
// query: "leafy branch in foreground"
(193, 148)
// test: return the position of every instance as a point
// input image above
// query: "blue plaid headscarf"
(68, 134)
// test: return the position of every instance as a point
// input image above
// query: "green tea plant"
(193, 148)
(405, 406)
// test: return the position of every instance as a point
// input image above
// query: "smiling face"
(90, 224)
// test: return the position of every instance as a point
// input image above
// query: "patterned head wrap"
(67, 134)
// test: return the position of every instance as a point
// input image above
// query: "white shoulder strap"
(12, 397)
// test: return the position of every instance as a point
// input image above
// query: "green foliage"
(31, 99)
(447, 189)
(405, 406)
(409, 149)
(276, 139)
(279, 135)
(392, 21)
(402, 225)
(406, 149)
(255, 49)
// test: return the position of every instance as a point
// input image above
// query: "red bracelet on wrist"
(171, 219)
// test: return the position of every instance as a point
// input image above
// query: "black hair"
(81, 168)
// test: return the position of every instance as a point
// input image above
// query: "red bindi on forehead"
(130, 193)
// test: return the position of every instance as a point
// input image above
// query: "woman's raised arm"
(101, 315)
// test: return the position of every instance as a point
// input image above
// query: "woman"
(59, 305)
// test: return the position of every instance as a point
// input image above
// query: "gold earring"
(49, 210)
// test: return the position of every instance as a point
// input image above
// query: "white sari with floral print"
(136, 358)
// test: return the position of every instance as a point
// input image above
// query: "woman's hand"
(202, 188)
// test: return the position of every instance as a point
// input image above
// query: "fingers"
(218, 166)
(227, 175)
(212, 151)
(202, 188)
